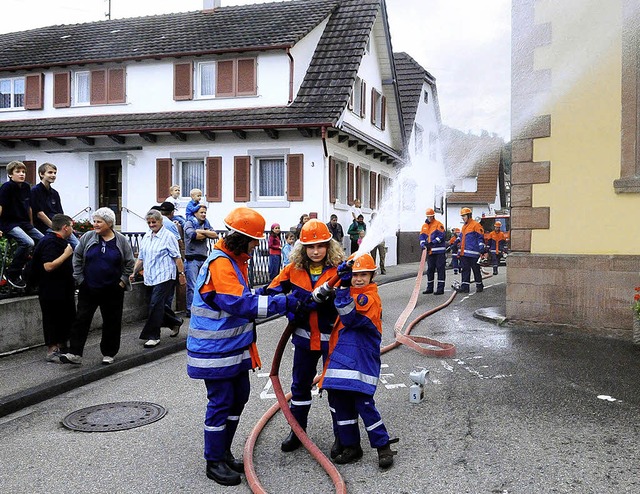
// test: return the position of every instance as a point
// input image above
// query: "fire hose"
(435, 349)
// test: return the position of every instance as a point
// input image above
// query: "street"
(517, 410)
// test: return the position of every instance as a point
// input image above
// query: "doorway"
(110, 186)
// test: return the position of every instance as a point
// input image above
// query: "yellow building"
(575, 183)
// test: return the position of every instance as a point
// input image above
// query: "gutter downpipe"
(291, 66)
(324, 141)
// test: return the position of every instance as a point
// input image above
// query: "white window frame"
(256, 178)
(342, 180)
(185, 191)
(76, 88)
(365, 186)
(418, 139)
(199, 85)
(356, 97)
(378, 110)
(12, 81)
(384, 182)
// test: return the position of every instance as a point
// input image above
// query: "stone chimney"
(211, 4)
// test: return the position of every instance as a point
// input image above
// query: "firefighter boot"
(385, 454)
(233, 463)
(222, 474)
(291, 443)
(349, 455)
(336, 448)
(495, 270)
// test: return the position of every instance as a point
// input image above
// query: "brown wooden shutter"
(225, 78)
(246, 83)
(62, 89)
(363, 100)
(183, 81)
(359, 184)
(34, 91)
(241, 178)
(383, 112)
(332, 180)
(214, 179)
(295, 178)
(350, 180)
(374, 98)
(373, 176)
(116, 86)
(99, 87)
(163, 178)
(31, 175)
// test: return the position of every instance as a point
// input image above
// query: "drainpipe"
(324, 141)
(288, 51)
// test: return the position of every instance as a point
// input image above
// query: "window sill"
(627, 185)
(268, 204)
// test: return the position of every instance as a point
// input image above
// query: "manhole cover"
(114, 416)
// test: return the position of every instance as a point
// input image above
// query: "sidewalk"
(28, 379)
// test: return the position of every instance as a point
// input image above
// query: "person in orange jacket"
(454, 247)
(314, 260)
(497, 245)
(471, 247)
(432, 237)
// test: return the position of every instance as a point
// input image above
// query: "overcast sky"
(464, 44)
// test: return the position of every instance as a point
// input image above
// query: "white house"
(288, 107)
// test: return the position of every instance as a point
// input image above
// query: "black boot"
(222, 474)
(349, 455)
(479, 288)
(336, 449)
(428, 290)
(385, 454)
(291, 443)
(232, 463)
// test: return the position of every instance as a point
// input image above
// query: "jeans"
(191, 269)
(160, 312)
(26, 238)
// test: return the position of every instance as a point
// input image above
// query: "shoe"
(479, 288)
(439, 293)
(70, 358)
(106, 360)
(384, 271)
(291, 443)
(385, 454)
(151, 343)
(222, 474)
(234, 464)
(349, 455)
(495, 272)
(427, 291)
(455, 271)
(188, 313)
(53, 357)
(336, 449)
(16, 281)
(175, 330)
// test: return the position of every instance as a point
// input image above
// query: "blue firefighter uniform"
(432, 237)
(471, 247)
(353, 368)
(497, 245)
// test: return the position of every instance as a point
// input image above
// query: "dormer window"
(215, 79)
(426, 97)
(357, 102)
(12, 92)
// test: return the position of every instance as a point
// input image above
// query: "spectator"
(167, 210)
(221, 346)
(275, 251)
(354, 232)
(313, 261)
(336, 229)
(160, 257)
(303, 219)
(197, 233)
(192, 206)
(16, 220)
(174, 195)
(381, 248)
(471, 246)
(432, 238)
(361, 235)
(45, 201)
(353, 366)
(289, 240)
(52, 267)
(356, 210)
(102, 264)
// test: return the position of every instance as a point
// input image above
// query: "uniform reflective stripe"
(476, 253)
(209, 313)
(205, 334)
(208, 363)
(346, 309)
(437, 249)
(332, 410)
(465, 283)
(208, 428)
(263, 305)
(347, 422)
(300, 403)
(429, 280)
(303, 333)
(235, 418)
(373, 426)
(350, 374)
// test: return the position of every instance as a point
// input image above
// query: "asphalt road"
(517, 410)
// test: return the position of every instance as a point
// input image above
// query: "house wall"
(302, 53)
(567, 219)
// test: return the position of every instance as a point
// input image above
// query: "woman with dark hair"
(102, 263)
(221, 345)
(303, 219)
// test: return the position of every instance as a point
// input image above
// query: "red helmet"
(246, 221)
(430, 212)
(465, 211)
(363, 263)
(314, 231)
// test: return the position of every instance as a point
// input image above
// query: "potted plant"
(636, 316)
(82, 226)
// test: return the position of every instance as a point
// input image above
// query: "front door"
(110, 186)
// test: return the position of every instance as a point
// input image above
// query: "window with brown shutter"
(183, 81)
(30, 175)
(372, 189)
(363, 103)
(225, 78)
(241, 177)
(98, 87)
(246, 83)
(295, 178)
(116, 86)
(33, 91)
(374, 97)
(332, 181)
(163, 178)
(214, 179)
(62, 89)
(383, 111)
(359, 183)
(350, 180)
